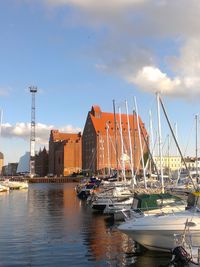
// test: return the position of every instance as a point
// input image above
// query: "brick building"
(41, 162)
(10, 169)
(101, 143)
(65, 154)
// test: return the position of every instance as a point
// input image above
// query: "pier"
(54, 180)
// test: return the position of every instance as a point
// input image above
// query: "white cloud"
(95, 4)
(22, 130)
(153, 44)
(5, 91)
(152, 79)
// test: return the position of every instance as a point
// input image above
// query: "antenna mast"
(33, 91)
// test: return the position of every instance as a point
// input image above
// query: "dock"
(54, 180)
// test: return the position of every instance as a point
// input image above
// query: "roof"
(56, 136)
(1, 155)
(104, 120)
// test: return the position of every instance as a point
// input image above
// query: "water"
(48, 225)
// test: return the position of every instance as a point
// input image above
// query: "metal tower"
(33, 91)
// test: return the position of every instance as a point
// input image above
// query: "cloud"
(22, 130)
(153, 44)
(5, 91)
(95, 4)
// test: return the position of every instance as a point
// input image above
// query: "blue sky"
(79, 53)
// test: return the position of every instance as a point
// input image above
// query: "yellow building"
(1, 162)
(171, 163)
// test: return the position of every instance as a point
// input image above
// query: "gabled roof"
(56, 136)
(103, 120)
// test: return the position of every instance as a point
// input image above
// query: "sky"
(83, 53)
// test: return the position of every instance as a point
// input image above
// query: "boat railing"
(184, 242)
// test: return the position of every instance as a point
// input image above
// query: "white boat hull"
(158, 232)
(159, 241)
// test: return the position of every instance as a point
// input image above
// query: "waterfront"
(47, 225)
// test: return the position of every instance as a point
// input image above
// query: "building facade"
(65, 154)
(10, 169)
(108, 143)
(169, 163)
(41, 162)
(192, 163)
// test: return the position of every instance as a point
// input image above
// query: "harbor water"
(47, 225)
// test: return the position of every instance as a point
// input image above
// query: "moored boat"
(156, 232)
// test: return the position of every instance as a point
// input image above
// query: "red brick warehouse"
(99, 141)
(65, 155)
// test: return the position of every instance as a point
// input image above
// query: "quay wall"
(54, 180)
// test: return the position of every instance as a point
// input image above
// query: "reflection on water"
(48, 225)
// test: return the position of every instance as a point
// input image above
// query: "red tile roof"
(58, 136)
(101, 119)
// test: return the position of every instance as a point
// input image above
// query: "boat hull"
(159, 232)
(160, 240)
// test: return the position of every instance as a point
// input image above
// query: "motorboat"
(111, 197)
(150, 203)
(87, 187)
(156, 232)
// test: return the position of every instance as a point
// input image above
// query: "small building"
(10, 169)
(192, 163)
(109, 144)
(41, 162)
(169, 163)
(65, 155)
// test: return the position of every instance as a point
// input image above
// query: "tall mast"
(108, 150)
(177, 152)
(122, 146)
(173, 135)
(130, 145)
(33, 91)
(160, 141)
(140, 141)
(134, 144)
(168, 153)
(197, 123)
(151, 139)
(116, 142)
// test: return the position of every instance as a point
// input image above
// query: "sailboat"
(156, 232)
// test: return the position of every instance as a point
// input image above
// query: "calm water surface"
(48, 225)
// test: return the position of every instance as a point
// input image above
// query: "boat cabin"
(145, 202)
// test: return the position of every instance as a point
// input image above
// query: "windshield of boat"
(170, 202)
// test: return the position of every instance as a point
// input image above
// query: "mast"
(197, 123)
(33, 91)
(116, 142)
(165, 113)
(108, 150)
(168, 154)
(176, 134)
(122, 146)
(160, 141)
(140, 141)
(130, 145)
(151, 139)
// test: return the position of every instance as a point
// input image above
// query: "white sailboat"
(156, 232)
